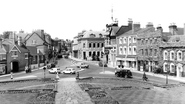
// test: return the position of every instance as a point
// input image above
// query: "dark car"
(101, 64)
(124, 73)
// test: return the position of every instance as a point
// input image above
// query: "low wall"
(35, 66)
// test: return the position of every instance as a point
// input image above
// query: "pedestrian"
(144, 77)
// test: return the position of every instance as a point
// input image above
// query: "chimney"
(184, 28)
(159, 28)
(150, 24)
(130, 22)
(19, 41)
(1, 42)
(172, 28)
(135, 26)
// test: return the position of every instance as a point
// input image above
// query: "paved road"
(93, 71)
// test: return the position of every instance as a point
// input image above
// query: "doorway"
(15, 66)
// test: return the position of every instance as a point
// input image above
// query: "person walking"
(145, 78)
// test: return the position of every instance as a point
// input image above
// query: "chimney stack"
(135, 26)
(184, 28)
(150, 24)
(19, 41)
(172, 28)
(159, 28)
(130, 22)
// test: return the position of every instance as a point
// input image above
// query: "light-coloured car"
(83, 65)
(54, 71)
(69, 71)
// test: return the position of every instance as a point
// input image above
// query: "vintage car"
(123, 73)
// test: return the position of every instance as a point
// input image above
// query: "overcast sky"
(65, 18)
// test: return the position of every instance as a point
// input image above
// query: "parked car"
(123, 73)
(51, 66)
(101, 64)
(69, 71)
(83, 65)
(54, 71)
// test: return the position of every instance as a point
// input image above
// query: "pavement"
(70, 93)
(180, 79)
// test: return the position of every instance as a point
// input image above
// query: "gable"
(15, 48)
(36, 38)
(2, 50)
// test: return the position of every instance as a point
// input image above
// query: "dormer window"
(100, 35)
(92, 35)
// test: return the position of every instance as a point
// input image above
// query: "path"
(70, 93)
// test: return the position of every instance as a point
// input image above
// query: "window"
(155, 41)
(146, 52)
(130, 40)
(26, 55)
(172, 68)
(98, 45)
(120, 40)
(120, 50)
(102, 44)
(90, 54)
(14, 54)
(89, 45)
(134, 40)
(3, 57)
(130, 50)
(165, 55)
(151, 40)
(179, 56)
(165, 67)
(100, 35)
(124, 41)
(33, 41)
(83, 45)
(172, 55)
(94, 45)
(150, 52)
(155, 52)
(125, 50)
(134, 50)
(146, 41)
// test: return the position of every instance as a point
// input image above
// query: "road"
(93, 71)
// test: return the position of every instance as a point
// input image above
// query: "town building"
(90, 44)
(126, 47)
(75, 47)
(173, 51)
(113, 30)
(148, 50)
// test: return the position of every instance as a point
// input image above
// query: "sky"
(66, 18)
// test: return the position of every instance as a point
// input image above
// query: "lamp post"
(167, 77)
(11, 71)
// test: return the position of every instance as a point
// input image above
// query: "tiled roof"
(122, 30)
(96, 33)
(7, 48)
(33, 50)
(22, 49)
(148, 32)
(177, 38)
(130, 32)
(114, 30)
(180, 31)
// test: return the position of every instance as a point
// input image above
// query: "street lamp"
(167, 77)
(11, 71)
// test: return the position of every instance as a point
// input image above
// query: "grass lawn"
(128, 91)
(27, 92)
